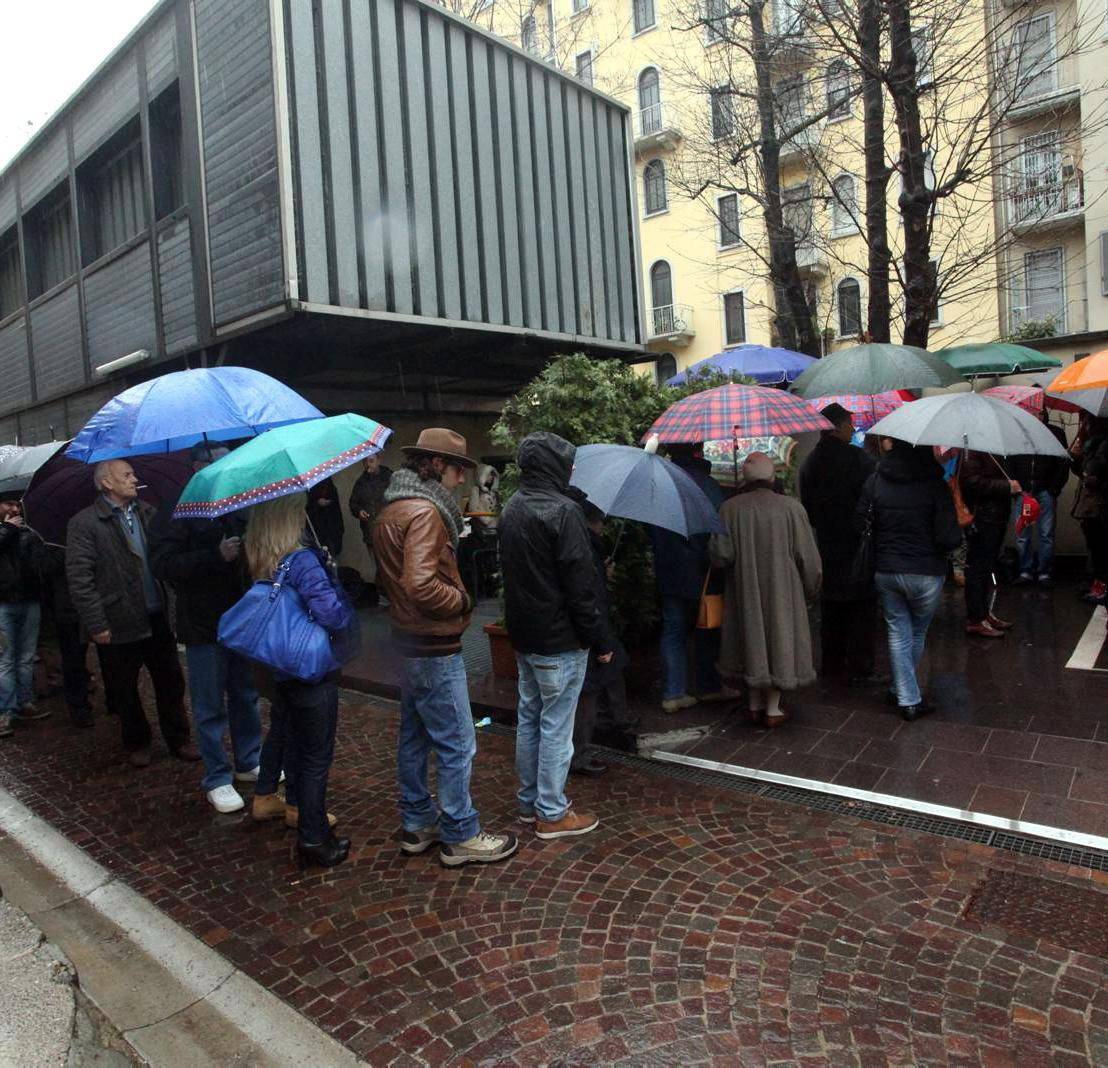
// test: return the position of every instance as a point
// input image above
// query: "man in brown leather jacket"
(415, 541)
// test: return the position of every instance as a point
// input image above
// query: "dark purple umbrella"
(61, 487)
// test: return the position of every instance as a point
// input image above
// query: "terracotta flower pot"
(503, 656)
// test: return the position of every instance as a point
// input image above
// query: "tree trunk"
(793, 319)
(915, 198)
(877, 174)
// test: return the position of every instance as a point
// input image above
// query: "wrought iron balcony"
(1046, 205)
(655, 128)
(671, 323)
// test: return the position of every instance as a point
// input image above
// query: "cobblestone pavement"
(697, 926)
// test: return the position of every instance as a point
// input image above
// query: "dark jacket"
(680, 563)
(1042, 474)
(914, 523)
(831, 481)
(20, 558)
(551, 593)
(55, 587)
(185, 553)
(1092, 468)
(599, 676)
(368, 495)
(986, 488)
(326, 519)
(105, 573)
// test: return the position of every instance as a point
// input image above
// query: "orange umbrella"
(1084, 383)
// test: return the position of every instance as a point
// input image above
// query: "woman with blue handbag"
(304, 706)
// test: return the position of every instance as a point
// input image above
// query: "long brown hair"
(274, 530)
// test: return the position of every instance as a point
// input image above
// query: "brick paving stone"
(696, 926)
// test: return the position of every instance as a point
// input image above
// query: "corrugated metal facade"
(15, 375)
(44, 169)
(7, 203)
(440, 173)
(161, 56)
(106, 107)
(56, 341)
(119, 307)
(175, 272)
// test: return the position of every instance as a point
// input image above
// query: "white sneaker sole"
(224, 809)
(449, 861)
(548, 836)
(414, 850)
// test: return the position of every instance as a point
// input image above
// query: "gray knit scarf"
(406, 484)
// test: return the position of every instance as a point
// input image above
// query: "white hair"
(758, 467)
(100, 472)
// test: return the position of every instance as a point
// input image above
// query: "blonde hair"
(274, 530)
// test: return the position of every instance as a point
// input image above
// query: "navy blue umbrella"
(635, 484)
(766, 366)
(184, 408)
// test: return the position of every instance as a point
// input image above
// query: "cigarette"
(141, 485)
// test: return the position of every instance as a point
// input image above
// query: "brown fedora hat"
(438, 441)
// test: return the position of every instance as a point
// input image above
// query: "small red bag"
(1029, 513)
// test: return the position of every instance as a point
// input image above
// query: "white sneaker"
(225, 798)
(252, 775)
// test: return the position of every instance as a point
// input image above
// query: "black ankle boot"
(325, 855)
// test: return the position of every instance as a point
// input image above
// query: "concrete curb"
(174, 999)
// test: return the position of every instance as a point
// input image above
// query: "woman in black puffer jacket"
(915, 528)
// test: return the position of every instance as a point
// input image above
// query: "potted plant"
(502, 653)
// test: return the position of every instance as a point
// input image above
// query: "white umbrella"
(969, 421)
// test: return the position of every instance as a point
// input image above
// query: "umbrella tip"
(651, 446)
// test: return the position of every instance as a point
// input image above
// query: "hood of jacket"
(910, 465)
(546, 461)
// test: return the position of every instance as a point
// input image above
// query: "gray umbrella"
(969, 421)
(16, 471)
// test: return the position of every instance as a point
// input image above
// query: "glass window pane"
(734, 318)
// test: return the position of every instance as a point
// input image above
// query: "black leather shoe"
(910, 713)
(591, 767)
(325, 855)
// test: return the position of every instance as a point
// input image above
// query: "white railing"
(653, 120)
(1029, 203)
(667, 320)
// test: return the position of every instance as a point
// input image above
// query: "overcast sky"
(47, 49)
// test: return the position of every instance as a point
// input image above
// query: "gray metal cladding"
(161, 55)
(178, 297)
(9, 430)
(81, 407)
(240, 156)
(7, 204)
(44, 167)
(106, 107)
(119, 308)
(15, 375)
(56, 344)
(440, 173)
(42, 424)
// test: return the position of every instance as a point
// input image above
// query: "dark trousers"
(983, 543)
(120, 666)
(613, 698)
(74, 655)
(277, 755)
(311, 715)
(848, 638)
(1096, 540)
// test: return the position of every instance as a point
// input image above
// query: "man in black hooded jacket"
(554, 617)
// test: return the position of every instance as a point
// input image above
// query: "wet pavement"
(696, 926)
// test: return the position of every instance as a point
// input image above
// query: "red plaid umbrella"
(865, 407)
(1030, 399)
(727, 411)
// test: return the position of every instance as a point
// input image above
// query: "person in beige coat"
(772, 574)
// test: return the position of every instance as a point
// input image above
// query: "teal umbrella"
(281, 461)
(996, 358)
(875, 368)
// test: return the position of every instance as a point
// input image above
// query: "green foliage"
(590, 401)
(1033, 329)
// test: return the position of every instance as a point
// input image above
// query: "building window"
(48, 232)
(838, 90)
(584, 67)
(734, 319)
(788, 16)
(665, 367)
(844, 205)
(796, 212)
(11, 292)
(729, 220)
(165, 152)
(850, 308)
(1034, 58)
(654, 186)
(715, 20)
(643, 14)
(650, 102)
(723, 112)
(529, 35)
(1043, 298)
(580, 5)
(111, 188)
(924, 48)
(661, 298)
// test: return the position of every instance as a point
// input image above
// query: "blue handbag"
(272, 626)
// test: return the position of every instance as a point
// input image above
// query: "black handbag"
(864, 565)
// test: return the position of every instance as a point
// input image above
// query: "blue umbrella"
(767, 366)
(635, 484)
(181, 409)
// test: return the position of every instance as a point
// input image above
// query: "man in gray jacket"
(122, 608)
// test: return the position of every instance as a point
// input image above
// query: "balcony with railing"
(1045, 205)
(1047, 318)
(800, 145)
(671, 324)
(811, 259)
(656, 127)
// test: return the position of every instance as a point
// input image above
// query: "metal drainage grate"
(833, 803)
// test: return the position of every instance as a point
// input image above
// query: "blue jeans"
(549, 685)
(221, 691)
(19, 622)
(435, 716)
(909, 602)
(277, 755)
(310, 711)
(678, 618)
(1045, 526)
